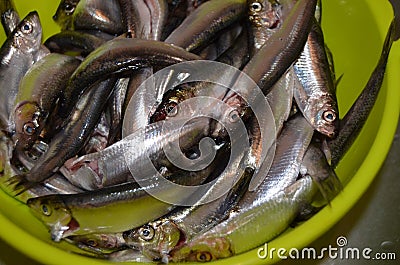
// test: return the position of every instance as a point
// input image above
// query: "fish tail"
(329, 187)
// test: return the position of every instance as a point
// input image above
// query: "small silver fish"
(18, 53)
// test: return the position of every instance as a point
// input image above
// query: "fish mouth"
(59, 231)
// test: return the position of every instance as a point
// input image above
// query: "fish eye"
(203, 256)
(91, 242)
(146, 232)
(329, 116)
(29, 128)
(234, 116)
(46, 210)
(69, 9)
(172, 109)
(256, 7)
(26, 28)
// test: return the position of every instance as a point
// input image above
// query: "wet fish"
(353, 121)
(237, 55)
(136, 18)
(157, 238)
(239, 234)
(99, 243)
(130, 204)
(109, 165)
(291, 146)
(68, 41)
(115, 110)
(317, 167)
(315, 92)
(144, 19)
(396, 9)
(9, 16)
(264, 17)
(57, 184)
(205, 22)
(98, 15)
(143, 98)
(18, 53)
(64, 14)
(38, 92)
(226, 39)
(67, 142)
(280, 101)
(159, 12)
(282, 48)
(131, 54)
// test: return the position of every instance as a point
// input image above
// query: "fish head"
(63, 15)
(202, 249)
(27, 37)
(324, 116)
(28, 124)
(53, 212)
(154, 239)
(169, 107)
(264, 13)
(99, 242)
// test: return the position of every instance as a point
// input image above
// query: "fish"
(205, 22)
(264, 18)
(280, 101)
(316, 166)
(238, 54)
(315, 90)
(70, 139)
(226, 39)
(99, 243)
(157, 238)
(98, 15)
(291, 147)
(177, 12)
(352, 123)
(131, 54)
(144, 19)
(64, 14)
(9, 16)
(89, 212)
(159, 12)
(79, 42)
(115, 110)
(18, 53)
(109, 165)
(36, 99)
(274, 57)
(282, 48)
(136, 18)
(57, 184)
(396, 9)
(249, 227)
(143, 99)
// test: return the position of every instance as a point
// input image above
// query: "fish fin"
(329, 187)
(20, 184)
(338, 80)
(306, 212)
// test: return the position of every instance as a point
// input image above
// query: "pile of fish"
(85, 144)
